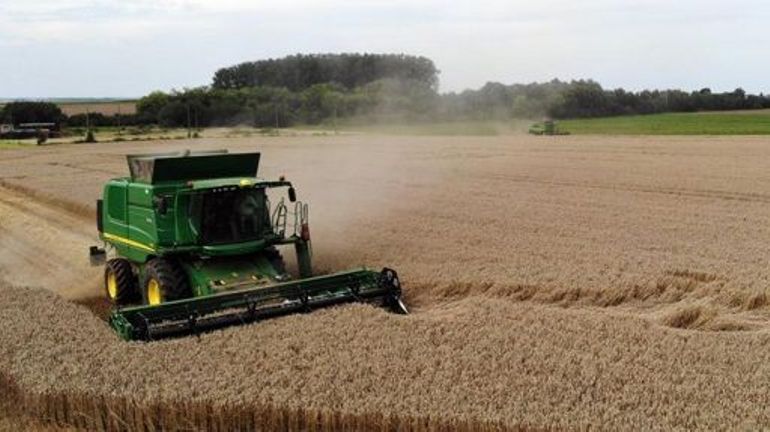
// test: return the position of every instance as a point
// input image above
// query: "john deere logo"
(245, 182)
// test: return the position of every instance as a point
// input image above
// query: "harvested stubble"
(627, 237)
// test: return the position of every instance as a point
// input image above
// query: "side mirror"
(292, 194)
(96, 255)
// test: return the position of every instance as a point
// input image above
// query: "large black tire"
(119, 282)
(171, 280)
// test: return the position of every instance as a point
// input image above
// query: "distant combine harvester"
(546, 127)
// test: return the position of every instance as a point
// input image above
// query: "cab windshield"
(232, 216)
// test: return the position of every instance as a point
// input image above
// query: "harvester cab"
(195, 243)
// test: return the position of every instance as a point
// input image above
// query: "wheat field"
(574, 282)
(108, 108)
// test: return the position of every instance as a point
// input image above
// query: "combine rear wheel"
(119, 282)
(164, 280)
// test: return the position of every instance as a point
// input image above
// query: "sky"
(128, 48)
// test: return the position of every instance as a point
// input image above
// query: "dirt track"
(43, 245)
(546, 276)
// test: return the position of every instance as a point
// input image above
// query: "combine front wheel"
(119, 282)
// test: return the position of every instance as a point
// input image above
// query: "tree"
(582, 99)
(173, 114)
(32, 112)
(319, 102)
(148, 108)
(301, 71)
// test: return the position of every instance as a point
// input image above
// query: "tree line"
(310, 89)
(31, 112)
(587, 98)
(266, 106)
(409, 100)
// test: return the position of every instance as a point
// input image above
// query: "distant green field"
(754, 122)
(443, 128)
(701, 123)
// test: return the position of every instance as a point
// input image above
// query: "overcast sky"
(126, 48)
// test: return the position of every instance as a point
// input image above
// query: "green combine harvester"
(546, 127)
(193, 243)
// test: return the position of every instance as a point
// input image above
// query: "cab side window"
(116, 203)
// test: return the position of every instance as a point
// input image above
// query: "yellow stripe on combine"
(129, 242)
